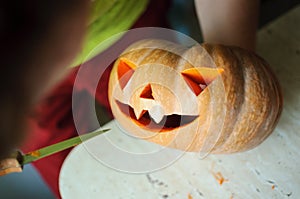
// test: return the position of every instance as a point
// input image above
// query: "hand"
(230, 22)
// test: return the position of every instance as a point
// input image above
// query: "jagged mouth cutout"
(196, 78)
(168, 122)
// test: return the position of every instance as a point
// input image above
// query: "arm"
(39, 39)
(231, 22)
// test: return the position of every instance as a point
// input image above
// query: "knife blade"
(15, 162)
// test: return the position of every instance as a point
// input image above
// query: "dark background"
(182, 16)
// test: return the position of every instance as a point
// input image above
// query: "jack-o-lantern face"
(174, 98)
(155, 105)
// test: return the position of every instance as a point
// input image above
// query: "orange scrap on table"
(219, 177)
(190, 196)
(35, 153)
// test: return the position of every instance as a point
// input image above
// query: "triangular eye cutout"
(125, 71)
(200, 77)
(147, 92)
(193, 85)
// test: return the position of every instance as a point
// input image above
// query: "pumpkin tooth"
(139, 113)
(157, 113)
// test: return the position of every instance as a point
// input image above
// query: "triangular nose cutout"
(147, 92)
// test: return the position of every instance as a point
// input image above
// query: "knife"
(15, 162)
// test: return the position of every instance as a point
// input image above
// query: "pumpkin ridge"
(246, 63)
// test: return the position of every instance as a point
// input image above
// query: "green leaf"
(107, 19)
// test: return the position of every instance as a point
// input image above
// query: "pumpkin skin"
(226, 102)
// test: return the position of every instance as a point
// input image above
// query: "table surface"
(271, 170)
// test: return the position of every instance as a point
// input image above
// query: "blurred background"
(181, 17)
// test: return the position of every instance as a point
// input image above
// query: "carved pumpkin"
(209, 98)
